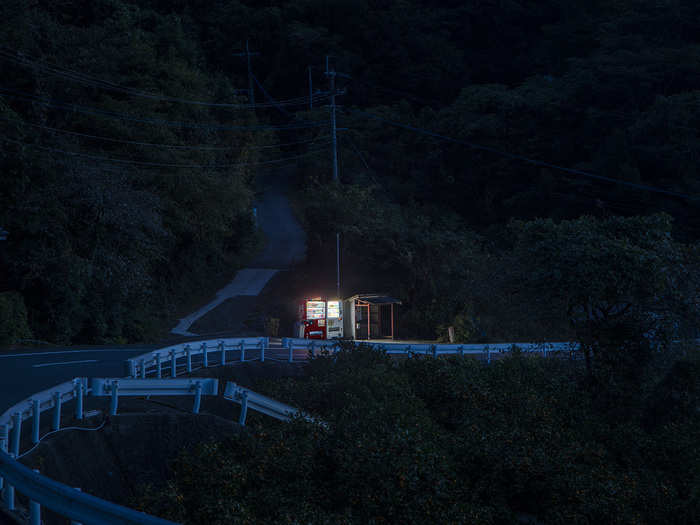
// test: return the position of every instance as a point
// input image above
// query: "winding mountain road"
(23, 374)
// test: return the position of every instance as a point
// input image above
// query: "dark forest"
(517, 170)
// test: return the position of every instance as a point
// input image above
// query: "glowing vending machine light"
(320, 319)
(334, 319)
(312, 319)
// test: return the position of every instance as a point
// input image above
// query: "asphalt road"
(285, 246)
(23, 374)
(285, 239)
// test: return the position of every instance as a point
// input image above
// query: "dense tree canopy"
(522, 169)
(427, 440)
(519, 88)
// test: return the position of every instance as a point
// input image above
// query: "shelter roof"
(376, 298)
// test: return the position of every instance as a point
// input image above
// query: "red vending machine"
(312, 317)
(320, 319)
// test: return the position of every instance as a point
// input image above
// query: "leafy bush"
(13, 318)
(446, 440)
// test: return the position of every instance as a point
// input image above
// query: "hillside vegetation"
(124, 190)
(452, 440)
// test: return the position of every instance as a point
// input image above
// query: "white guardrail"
(480, 349)
(266, 405)
(171, 361)
(218, 350)
(68, 501)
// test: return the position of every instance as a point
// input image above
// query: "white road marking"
(248, 281)
(66, 363)
(70, 352)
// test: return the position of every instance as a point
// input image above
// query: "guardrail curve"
(175, 359)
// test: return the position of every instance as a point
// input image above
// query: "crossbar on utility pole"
(248, 54)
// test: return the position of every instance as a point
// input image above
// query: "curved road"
(23, 374)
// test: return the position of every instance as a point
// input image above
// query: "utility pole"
(248, 54)
(337, 264)
(311, 91)
(331, 74)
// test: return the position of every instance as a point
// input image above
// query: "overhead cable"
(154, 144)
(526, 159)
(158, 164)
(74, 76)
(6, 92)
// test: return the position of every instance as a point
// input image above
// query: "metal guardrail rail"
(266, 405)
(115, 387)
(180, 357)
(175, 359)
(68, 501)
(481, 349)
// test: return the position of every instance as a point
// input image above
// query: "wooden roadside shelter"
(370, 316)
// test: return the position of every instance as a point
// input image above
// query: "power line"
(267, 95)
(526, 159)
(357, 152)
(159, 164)
(154, 144)
(87, 80)
(124, 116)
(399, 92)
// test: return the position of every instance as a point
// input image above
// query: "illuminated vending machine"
(334, 320)
(319, 319)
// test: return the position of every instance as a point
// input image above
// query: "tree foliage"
(606, 88)
(446, 441)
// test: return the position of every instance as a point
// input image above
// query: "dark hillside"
(126, 184)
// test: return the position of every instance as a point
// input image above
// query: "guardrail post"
(244, 408)
(115, 399)
(3, 446)
(434, 350)
(291, 351)
(188, 352)
(159, 368)
(461, 351)
(10, 492)
(142, 365)
(242, 345)
(197, 398)
(56, 410)
(205, 359)
(36, 414)
(263, 344)
(173, 364)
(76, 522)
(16, 432)
(78, 388)
(312, 347)
(34, 510)
(488, 356)
(544, 351)
(131, 367)
(222, 347)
